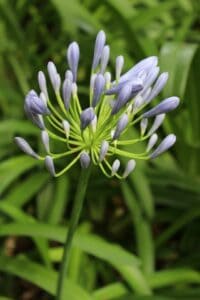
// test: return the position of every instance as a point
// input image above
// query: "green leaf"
(74, 15)
(18, 215)
(59, 204)
(90, 243)
(40, 276)
(22, 193)
(172, 277)
(14, 167)
(12, 126)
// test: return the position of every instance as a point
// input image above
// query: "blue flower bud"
(107, 77)
(145, 94)
(103, 150)
(152, 141)
(25, 147)
(43, 98)
(74, 89)
(136, 84)
(50, 165)
(34, 104)
(121, 125)
(86, 117)
(118, 66)
(151, 77)
(129, 167)
(167, 143)
(105, 58)
(94, 124)
(99, 84)
(66, 127)
(143, 126)
(69, 75)
(138, 102)
(159, 85)
(54, 76)
(36, 119)
(144, 65)
(98, 49)
(122, 99)
(73, 54)
(85, 160)
(157, 123)
(163, 107)
(42, 83)
(45, 140)
(92, 80)
(115, 167)
(67, 92)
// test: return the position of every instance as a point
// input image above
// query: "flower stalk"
(75, 216)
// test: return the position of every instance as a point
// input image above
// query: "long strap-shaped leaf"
(42, 277)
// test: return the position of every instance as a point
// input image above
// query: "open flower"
(95, 135)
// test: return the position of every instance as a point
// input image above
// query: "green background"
(137, 239)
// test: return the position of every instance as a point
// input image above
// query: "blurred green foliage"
(136, 238)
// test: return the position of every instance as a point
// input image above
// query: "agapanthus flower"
(97, 134)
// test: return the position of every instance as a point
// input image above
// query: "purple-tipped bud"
(121, 125)
(116, 88)
(43, 98)
(122, 99)
(105, 58)
(99, 85)
(107, 77)
(118, 66)
(163, 107)
(25, 147)
(66, 127)
(159, 85)
(74, 89)
(145, 94)
(136, 85)
(138, 101)
(86, 117)
(45, 140)
(34, 104)
(73, 54)
(129, 167)
(143, 126)
(151, 77)
(85, 160)
(69, 75)
(144, 65)
(67, 92)
(50, 165)
(94, 124)
(36, 119)
(157, 123)
(92, 80)
(98, 48)
(103, 150)
(152, 141)
(42, 83)
(115, 167)
(142, 75)
(54, 76)
(167, 143)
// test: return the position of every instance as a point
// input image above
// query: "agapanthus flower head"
(96, 134)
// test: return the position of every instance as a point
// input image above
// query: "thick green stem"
(76, 211)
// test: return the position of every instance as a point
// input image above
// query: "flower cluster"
(96, 134)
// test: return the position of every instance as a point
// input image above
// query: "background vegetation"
(138, 239)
